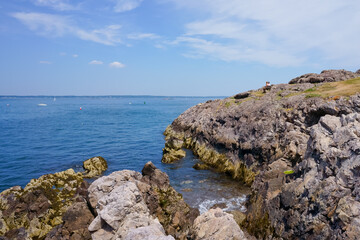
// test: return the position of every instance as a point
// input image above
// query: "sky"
(171, 47)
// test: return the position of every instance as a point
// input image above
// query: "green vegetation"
(335, 89)
(289, 172)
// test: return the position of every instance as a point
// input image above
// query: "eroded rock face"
(94, 167)
(258, 138)
(325, 76)
(216, 224)
(131, 205)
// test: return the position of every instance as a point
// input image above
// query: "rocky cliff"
(297, 145)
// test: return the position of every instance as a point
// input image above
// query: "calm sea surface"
(127, 131)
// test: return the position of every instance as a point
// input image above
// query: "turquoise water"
(40, 135)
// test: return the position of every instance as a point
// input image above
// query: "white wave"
(235, 203)
(42, 104)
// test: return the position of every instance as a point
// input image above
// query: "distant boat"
(42, 104)
(54, 99)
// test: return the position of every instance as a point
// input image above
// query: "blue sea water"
(127, 131)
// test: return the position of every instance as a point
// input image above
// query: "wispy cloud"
(75, 55)
(126, 5)
(60, 5)
(57, 26)
(273, 31)
(140, 36)
(44, 62)
(96, 62)
(117, 65)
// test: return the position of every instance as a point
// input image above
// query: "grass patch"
(312, 95)
(336, 89)
(259, 93)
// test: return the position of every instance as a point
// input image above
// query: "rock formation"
(94, 167)
(33, 211)
(326, 76)
(130, 205)
(297, 146)
(53, 206)
(216, 224)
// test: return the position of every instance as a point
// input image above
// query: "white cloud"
(95, 62)
(286, 32)
(60, 5)
(117, 65)
(45, 62)
(126, 5)
(58, 26)
(75, 55)
(140, 36)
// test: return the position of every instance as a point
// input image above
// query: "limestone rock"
(216, 224)
(131, 205)
(94, 167)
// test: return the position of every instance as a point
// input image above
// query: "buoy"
(80, 108)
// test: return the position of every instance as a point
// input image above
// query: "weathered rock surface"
(325, 76)
(216, 224)
(54, 206)
(33, 211)
(76, 221)
(131, 205)
(94, 167)
(257, 138)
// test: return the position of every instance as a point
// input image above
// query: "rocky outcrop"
(54, 206)
(33, 211)
(131, 205)
(216, 224)
(94, 167)
(297, 150)
(325, 76)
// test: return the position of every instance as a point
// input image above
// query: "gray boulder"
(216, 224)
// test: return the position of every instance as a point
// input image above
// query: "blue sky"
(171, 47)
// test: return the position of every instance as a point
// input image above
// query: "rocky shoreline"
(296, 145)
(123, 205)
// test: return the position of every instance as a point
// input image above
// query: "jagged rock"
(33, 211)
(284, 130)
(216, 224)
(130, 205)
(76, 221)
(94, 167)
(325, 76)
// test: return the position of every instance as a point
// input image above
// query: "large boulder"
(216, 225)
(131, 205)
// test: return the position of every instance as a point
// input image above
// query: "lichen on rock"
(94, 167)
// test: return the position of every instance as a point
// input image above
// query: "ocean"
(41, 135)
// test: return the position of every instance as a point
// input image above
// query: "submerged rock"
(94, 167)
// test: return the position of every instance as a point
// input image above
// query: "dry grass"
(336, 89)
